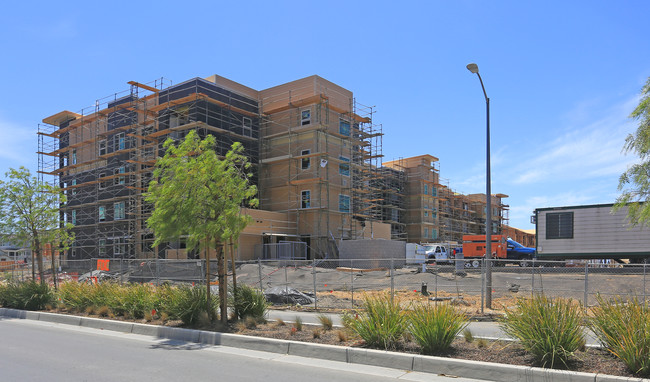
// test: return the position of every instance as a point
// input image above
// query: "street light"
(488, 198)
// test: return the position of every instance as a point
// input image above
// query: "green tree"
(29, 215)
(635, 182)
(197, 195)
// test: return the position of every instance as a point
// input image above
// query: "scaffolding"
(102, 157)
(320, 154)
(393, 185)
(462, 214)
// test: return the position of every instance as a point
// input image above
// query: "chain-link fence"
(342, 284)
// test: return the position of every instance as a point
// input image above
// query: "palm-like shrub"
(550, 329)
(434, 328)
(623, 327)
(249, 302)
(382, 324)
(189, 303)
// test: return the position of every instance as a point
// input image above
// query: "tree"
(635, 182)
(29, 215)
(197, 195)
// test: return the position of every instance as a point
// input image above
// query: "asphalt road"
(39, 351)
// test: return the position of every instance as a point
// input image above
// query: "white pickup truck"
(436, 252)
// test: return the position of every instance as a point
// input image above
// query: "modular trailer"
(590, 232)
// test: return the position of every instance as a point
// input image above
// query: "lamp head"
(472, 68)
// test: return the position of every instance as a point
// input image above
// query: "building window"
(426, 232)
(119, 246)
(74, 183)
(102, 147)
(426, 214)
(434, 233)
(102, 184)
(344, 203)
(559, 225)
(119, 141)
(118, 211)
(305, 117)
(119, 179)
(434, 191)
(102, 213)
(102, 247)
(74, 217)
(344, 127)
(247, 127)
(344, 168)
(426, 189)
(305, 199)
(74, 156)
(305, 163)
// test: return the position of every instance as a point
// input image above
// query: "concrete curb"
(411, 362)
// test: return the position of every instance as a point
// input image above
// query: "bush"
(187, 303)
(76, 296)
(434, 328)
(249, 302)
(623, 327)
(382, 324)
(326, 322)
(550, 329)
(28, 295)
(138, 299)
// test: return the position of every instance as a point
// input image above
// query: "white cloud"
(591, 151)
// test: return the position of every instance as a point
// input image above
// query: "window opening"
(305, 199)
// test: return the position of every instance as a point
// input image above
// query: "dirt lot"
(342, 289)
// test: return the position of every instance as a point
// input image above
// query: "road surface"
(40, 351)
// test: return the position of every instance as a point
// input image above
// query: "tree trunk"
(33, 262)
(234, 277)
(208, 305)
(223, 284)
(39, 257)
(53, 269)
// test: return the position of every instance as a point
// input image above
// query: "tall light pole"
(488, 198)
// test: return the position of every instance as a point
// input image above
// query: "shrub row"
(186, 303)
(551, 330)
(384, 323)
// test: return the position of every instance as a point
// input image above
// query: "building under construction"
(317, 156)
(315, 150)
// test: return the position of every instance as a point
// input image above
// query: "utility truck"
(590, 232)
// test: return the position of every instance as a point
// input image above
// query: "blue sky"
(562, 76)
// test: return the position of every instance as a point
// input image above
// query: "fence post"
(259, 271)
(351, 286)
(482, 286)
(313, 272)
(392, 282)
(532, 280)
(644, 274)
(157, 272)
(586, 284)
(286, 281)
